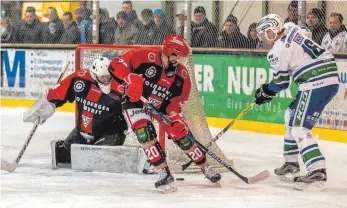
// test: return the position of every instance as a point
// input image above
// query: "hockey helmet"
(99, 72)
(271, 22)
(175, 44)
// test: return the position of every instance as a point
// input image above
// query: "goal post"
(192, 110)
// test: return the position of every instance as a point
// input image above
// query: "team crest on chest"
(151, 72)
(79, 86)
(86, 120)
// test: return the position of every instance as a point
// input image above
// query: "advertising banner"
(27, 72)
(227, 84)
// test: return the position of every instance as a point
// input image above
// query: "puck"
(179, 179)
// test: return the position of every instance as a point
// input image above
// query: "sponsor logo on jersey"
(138, 111)
(86, 120)
(79, 86)
(92, 107)
(159, 91)
(155, 102)
(151, 57)
(151, 72)
(298, 38)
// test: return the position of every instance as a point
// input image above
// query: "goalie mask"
(271, 22)
(101, 75)
(174, 50)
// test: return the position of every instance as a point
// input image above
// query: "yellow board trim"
(262, 127)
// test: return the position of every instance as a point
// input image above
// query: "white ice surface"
(35, 184)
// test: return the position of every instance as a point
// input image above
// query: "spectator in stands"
(30, 31)
(181, 18)
(336, 39)
(84, 24)
(83, 5)
(147, 30)
(127, 7)
(204, 33)
(126, 33)
(71, 33)
(292, 12)
(231, 37)
(315, 22)
(7, 31)
(162, 29)
(252, 35)
(107, 27)
(54, 28)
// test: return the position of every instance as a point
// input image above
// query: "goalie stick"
(249, 180)
(185, 166)
(11, 167)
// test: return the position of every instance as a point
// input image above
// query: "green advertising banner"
(227, 84)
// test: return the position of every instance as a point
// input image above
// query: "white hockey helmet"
(270, 22)
(99, 72)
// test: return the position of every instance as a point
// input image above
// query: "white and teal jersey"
(295, 55)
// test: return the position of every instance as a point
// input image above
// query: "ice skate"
(317, 178)
(165, 183)
(211, 174)
(288, 171)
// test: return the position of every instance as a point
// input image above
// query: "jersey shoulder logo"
(151, 72)
(151, 57)
(79, 86)
(81, 73)
(86, 120)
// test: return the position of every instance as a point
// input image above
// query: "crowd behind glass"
(127, 28)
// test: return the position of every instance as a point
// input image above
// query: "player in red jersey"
(99, 118)
(159, 76)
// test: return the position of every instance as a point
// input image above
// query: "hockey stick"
(11, 167)
(185, 166)
(249, 180)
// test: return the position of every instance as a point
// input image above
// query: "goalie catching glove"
(178, 128)
(264, 94)
(42, 109)
(134, 87)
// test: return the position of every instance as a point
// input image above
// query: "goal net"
(192, 110)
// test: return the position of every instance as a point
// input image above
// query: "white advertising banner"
(334, 115)
(27, 72)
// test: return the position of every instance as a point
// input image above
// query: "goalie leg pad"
(111, 140)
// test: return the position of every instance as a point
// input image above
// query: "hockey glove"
(134, 86)
(178, 128)
(264, 94)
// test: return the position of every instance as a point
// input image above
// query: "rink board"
(270, 128)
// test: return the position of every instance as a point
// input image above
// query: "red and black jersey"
(96, 113)
(165, 93)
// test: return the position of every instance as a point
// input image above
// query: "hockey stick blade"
(185, 166)
(259, 177)
(9, 167)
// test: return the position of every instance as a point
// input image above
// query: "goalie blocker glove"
(264, 94)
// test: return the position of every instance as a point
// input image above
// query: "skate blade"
(169, 188)
(317, 185)
(288, 178)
